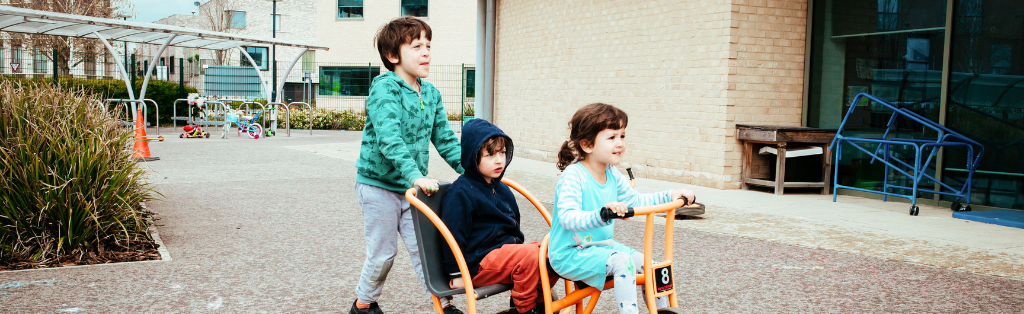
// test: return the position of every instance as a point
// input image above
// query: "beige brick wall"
(685, 71)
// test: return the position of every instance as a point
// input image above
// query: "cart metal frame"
(925, 152)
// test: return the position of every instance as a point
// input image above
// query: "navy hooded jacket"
(481, 216)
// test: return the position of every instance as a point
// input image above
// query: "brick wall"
(685, 71)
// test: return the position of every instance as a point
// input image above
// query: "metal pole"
(273, 27)
(462, 82)
(133, 72)
(54, 66)
(192, 52)
(181, 78)
(125, 18)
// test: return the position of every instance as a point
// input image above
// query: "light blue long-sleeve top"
(577, 220)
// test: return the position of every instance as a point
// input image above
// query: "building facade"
(340, 77)
(688, 71)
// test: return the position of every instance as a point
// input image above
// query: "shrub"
(67, 180)
(468, 112)
(454, 117)
(323, 119)
(164, 93)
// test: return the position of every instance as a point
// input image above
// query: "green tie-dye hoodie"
(399, 130)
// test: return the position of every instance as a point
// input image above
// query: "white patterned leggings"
(622, 267)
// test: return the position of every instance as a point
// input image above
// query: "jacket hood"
(474, 133)
(391, 76)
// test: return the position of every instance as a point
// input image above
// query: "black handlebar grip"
(630, 172)
(607, 214)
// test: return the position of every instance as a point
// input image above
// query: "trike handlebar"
(608, 214)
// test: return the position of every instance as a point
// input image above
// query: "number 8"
(664, 275)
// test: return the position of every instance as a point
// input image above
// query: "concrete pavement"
(272, 225)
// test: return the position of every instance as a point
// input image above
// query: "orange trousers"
(514, 264)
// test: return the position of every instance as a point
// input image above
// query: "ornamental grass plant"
(69, 190)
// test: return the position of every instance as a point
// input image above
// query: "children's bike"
(245, 124)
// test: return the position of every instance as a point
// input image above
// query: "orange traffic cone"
(141, 141)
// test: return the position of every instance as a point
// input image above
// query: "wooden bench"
(780, 137)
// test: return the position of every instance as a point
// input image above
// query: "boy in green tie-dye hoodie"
(404, 115)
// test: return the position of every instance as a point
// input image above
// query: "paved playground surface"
(273, 225)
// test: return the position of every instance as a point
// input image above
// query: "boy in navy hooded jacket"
(483, 217)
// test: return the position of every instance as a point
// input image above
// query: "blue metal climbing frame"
(883, 152)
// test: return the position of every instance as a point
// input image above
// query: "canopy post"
(280, 87)
(266, 89)
(120, 66)
(152, 65)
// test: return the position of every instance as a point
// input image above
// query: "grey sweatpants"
(386, 215)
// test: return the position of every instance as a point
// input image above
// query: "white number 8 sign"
(665, 275)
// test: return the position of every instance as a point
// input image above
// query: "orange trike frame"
(572, 297)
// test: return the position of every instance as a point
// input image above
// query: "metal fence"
(328, 85)
(347, 85)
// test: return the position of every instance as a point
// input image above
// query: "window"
(347, 81)
(16, 58)
(39, 62)
(1001, 59)
(309, 61)
(172, 65)
(350, 9)
(277, 22)
(237, 19)
(470, 81)
(888, 14)
(90, 65)
(416, 8)
(258, 54)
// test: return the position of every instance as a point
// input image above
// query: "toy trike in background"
(245, 124)
(431, 233)
(194, 131)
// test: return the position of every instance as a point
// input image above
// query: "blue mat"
(1009, 218)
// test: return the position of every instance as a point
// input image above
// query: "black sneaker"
(374, 309)
(451, 309)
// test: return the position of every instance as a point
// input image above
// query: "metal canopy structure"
(19, 20)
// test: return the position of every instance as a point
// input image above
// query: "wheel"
(255, 131)
(181, 136)
(270, 132)
(914, 210)
(955, 206)
(967, 208)
(670, 310)
(207, 135)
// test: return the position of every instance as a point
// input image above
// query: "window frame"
(37, 66)
(338, 11)
(362, 83)
(231, 19)
(402, 4)
(261, 62)
(277, 22)
(469, 82)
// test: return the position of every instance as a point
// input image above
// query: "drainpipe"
(489, 61)
(481, 25)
